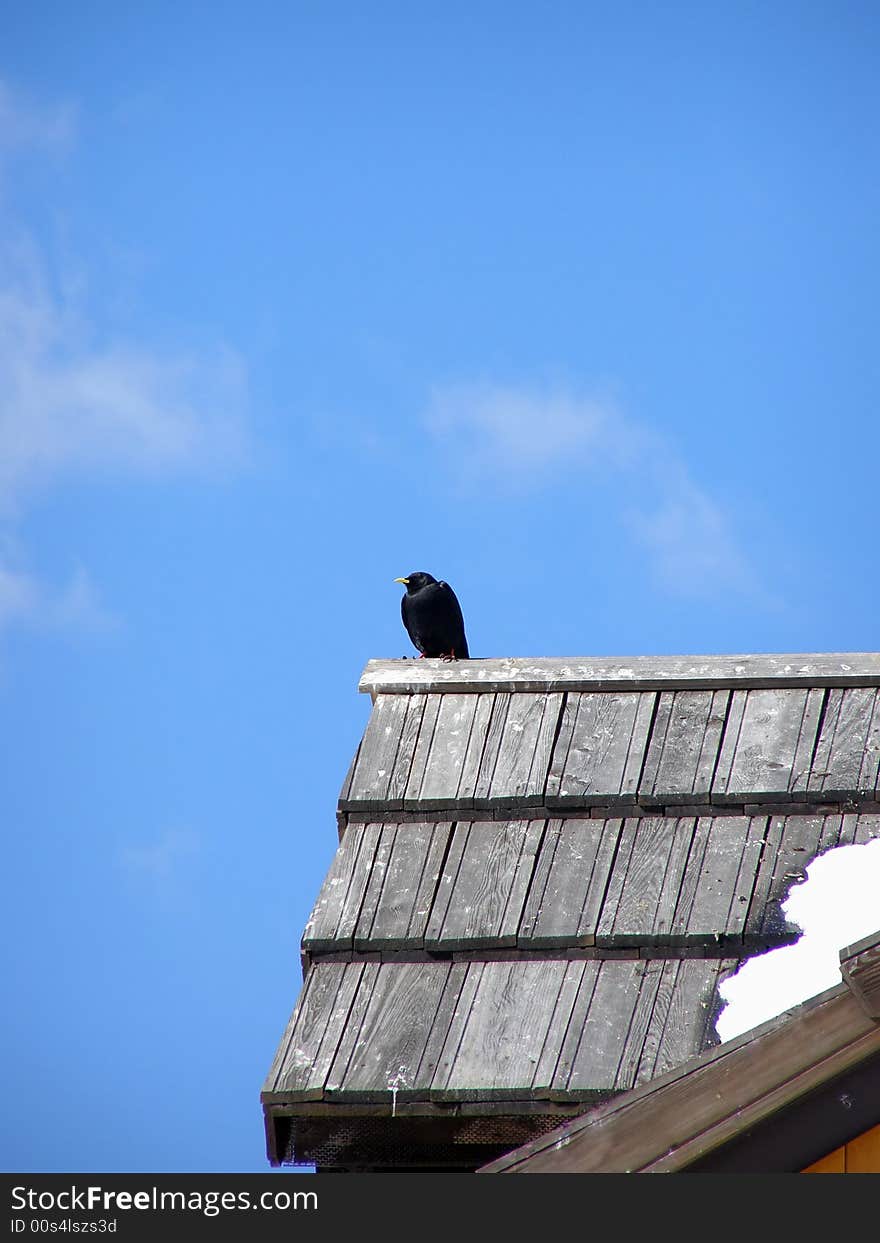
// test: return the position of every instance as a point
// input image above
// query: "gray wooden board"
(428, 883)
(792, 844)
(557, 1028)
(848, 750)
(683, 1023)
(401, 889)
(321, 930)
(867, 829)
(464, 751)
(410, 732)
(491, 750)
(645, 881)
(668, 974)
(492, 877)
(723, 887)
(683, 746)
(520, 770)
(339, 903)
(316, 1027)
(640, 1024)
(473, 756)
(420, 752)
(346, 783)
(453, 1017)
(506, 1029)
(545, 674)
(396, 1026)
(768, 743)
(603, 1034)
(378, 750)
(449, 744)
(604, 747)
(375, 884)
(536, 782)
(568, 883)
(351, 1036)
(568, 888)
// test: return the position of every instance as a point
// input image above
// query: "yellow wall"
(859, 1156)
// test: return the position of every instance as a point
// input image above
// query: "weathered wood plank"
(557, 1028)
(717, 904)
(411, 869)
(536, 783)
(396, 1026)
(867, 829)
(520, 771)
(645, 881)
(337, 911)
(470, 768)
(506, 1029)
(792, 842)
(321, 930)
(571, 883)
(848, 750)
(375, 884)
(491, 750)
(684, 746)
(455, 1025)
(449, 744)
(452, 1011)
(314, 1031)
(409, 736)
(808, 737)
(446, 886)
(683, 1024)
(429, 882)
(350, 1037)
(375, 761)
(774, 740)
(421, 751)
(589, 978)
(600, 1049)
(483, 905)
(649, 976)
(622, 672)
(568, 888)
(605, 749)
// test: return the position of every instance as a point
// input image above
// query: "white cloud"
(502, 429)
(25, 124)
(162, 857)
(836, 905)
(526, 438)
(74, 606)
(75, 403)
(68, 403)
(161, 868)
(18, 595)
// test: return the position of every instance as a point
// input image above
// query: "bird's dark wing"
(409, 622)
(455, 622)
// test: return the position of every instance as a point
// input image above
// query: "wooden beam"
(860, 968)
(587, 673)
(681, 1116)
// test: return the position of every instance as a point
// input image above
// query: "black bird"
(432, 617)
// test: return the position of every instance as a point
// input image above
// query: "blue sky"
(572, 304)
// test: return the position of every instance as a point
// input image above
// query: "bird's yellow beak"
(405, 581)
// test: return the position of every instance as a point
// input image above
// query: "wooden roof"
(545, 867)
(775, 1099)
